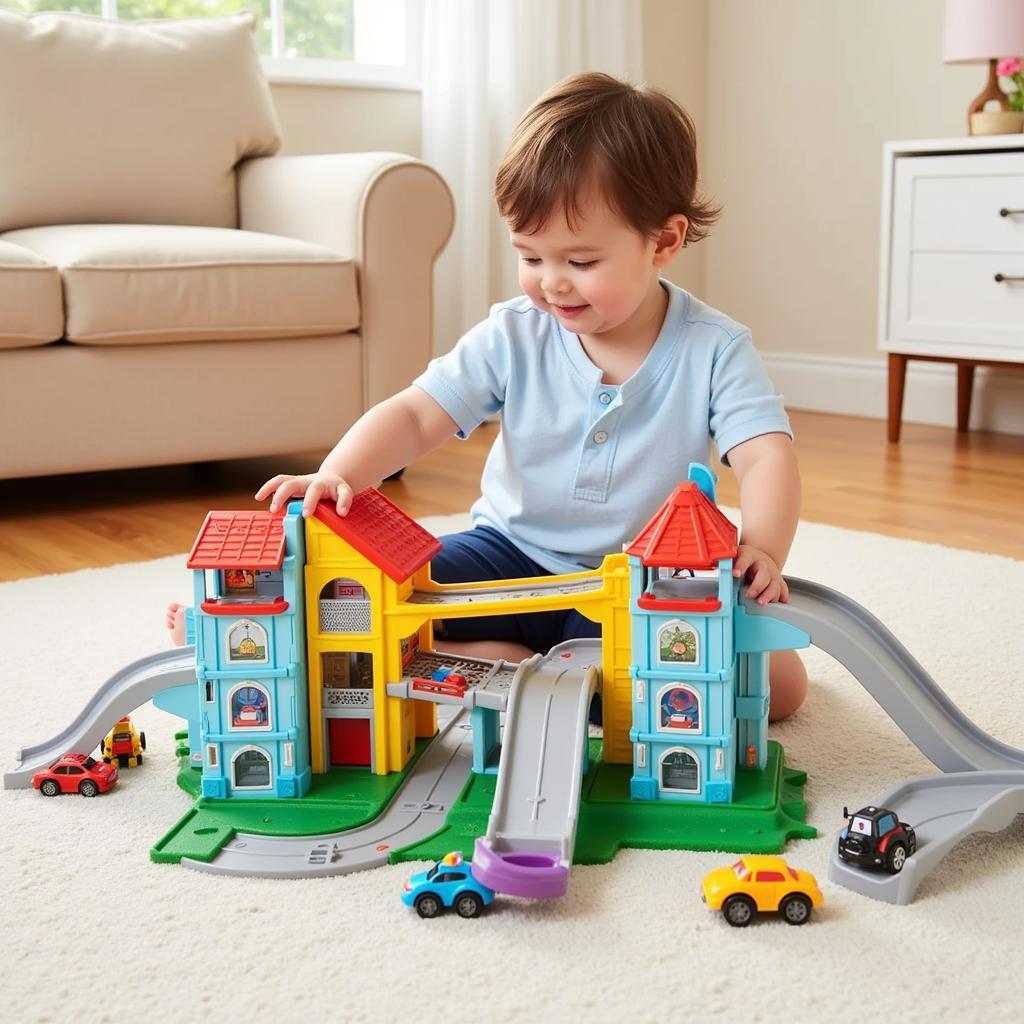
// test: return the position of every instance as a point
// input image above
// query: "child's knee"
(788, 684)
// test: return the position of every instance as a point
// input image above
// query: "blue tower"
(682, 601)
(250, 637)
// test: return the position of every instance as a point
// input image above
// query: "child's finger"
(741, 564)
(284, 492)
(270, 485)
(314, 493)
(344, 499)
(762, 577)
(783, 591)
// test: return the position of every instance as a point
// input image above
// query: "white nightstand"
(951, 286)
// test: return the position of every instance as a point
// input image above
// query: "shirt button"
(600, 437)
(604, 398)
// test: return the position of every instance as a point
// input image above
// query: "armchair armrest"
(392, 214)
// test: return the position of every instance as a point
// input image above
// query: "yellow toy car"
(757, 883)
(124, 743)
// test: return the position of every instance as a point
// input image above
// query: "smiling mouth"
(569, 309)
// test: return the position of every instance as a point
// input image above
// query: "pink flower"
(1009, 66)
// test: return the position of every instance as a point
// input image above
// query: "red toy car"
(76, 773)
(444, 680)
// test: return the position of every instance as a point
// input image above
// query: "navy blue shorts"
(485, 554)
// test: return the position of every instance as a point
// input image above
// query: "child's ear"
(670, 239)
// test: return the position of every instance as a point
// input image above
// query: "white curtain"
(484, 63)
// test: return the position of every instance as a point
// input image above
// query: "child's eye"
(531, 260)
(582, 264)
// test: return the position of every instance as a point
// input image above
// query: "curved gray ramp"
(537, 796)
(121, 694)
(853, 636)
(418, 809)
(943, 809)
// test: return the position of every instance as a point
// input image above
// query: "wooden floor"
(936, 485)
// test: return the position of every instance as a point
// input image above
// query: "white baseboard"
(858, 387)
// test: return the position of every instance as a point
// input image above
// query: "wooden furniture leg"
(964, 391)
(897, 381)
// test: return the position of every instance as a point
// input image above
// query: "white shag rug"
(93, 931)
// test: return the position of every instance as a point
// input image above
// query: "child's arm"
(382, 441)
(769, 481)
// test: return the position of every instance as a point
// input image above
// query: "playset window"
(249, 706)
(247, 641)
(344, 607)
(678, 643)
(680, 771)
(679, 709)
(247, 586)
(343, 670)
(251, 769)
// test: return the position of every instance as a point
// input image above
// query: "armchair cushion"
(128, 122)
(144, 283)
(31, 306)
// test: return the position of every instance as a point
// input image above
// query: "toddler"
(609, 380)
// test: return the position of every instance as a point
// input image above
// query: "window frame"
(344, 73)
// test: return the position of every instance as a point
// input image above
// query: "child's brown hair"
(638, 143)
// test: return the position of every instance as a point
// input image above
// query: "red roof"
(689, 532)
(239, 540)
(380, 530)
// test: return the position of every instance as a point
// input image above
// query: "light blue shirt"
(579, 466)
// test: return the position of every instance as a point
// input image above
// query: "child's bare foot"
(176, 623)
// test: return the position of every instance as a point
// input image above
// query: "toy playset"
(312, 649)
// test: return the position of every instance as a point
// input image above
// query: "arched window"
(678, 643)
(250, 769)
(247, 641)
(344, 607)
(679, 709)
(249, 706)
(680, 771)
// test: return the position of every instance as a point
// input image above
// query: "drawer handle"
(1000, 278)
(1004, 212)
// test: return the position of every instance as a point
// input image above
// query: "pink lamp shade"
(980, 30)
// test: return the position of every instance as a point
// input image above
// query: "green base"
(341, 799)
(768, 811)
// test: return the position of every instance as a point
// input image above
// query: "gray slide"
(121, 694)
(531, 832)
(983, 788)
(890, 673)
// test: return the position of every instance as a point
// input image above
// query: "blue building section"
(700, 674)
(250, 637)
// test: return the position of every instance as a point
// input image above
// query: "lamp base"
(991, 92)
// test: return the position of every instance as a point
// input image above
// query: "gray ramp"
(889, 672)
(531, 832)
(943, 809)
(121, 694)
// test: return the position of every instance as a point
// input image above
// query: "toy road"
(417, 810)
(528, 848)
(121, 694)
(944, 809)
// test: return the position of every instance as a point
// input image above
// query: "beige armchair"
(171, 291)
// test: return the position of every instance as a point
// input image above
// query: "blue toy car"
(447, 884)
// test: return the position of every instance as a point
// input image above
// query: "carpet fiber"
(96, 932)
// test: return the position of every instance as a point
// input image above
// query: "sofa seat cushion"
(143, 283)
(31, 307)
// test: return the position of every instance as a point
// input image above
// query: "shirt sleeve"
(470, 382)
(743, 402)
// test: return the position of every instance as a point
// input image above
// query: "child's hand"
(763, 576)
(315, 486)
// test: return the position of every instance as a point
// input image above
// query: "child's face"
(593, 278)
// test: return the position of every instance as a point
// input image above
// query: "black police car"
(874, 837)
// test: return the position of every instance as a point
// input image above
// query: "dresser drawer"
(946, 203)
(948, 243)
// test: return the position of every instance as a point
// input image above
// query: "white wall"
(792, 101)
